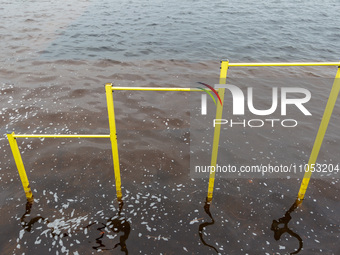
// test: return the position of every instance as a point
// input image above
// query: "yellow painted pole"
(157, 89)
(113, 138)
(284, 64)
(59, 136)
(217, 131)
(20, 165)
(321, 133)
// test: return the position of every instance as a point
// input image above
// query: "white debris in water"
(281, 247)
(185, 249)
(56, 197)
(65, 206)
(21, 233)
(193, 221)
(45, 232)
(111, 236)
(63, 249)
(37, 241)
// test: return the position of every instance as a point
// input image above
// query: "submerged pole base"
(30, 199)
(209, 197)
(119, 195)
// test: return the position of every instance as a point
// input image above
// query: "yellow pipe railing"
(321, 134)
(219, 110)
(156, 89)
(20, 165)
(18, 159)
(283, 64)
(113, 138)
(217, 130)
(60, 136)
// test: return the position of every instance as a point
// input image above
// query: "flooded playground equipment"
(225, 65)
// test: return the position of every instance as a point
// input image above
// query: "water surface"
(56, 58)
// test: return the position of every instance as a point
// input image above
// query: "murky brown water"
(163, 210)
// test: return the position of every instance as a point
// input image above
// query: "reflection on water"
(205, 224)
(116, 224)
(27, 225)
(220, 230)
(279, 226)
(280, 230)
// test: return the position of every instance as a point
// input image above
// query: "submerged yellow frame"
(109, 88)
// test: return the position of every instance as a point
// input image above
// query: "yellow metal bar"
(217, 131)
(157, 89)
(60, 136)
(321, 133)
(285, 64)
(20, 165)
(113, 138)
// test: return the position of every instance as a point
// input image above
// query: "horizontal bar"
(286, 64)
(60, 136)
(157, 89)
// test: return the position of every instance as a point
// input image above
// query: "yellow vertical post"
(217, 131)
(113, 138)
(20, 165)
(321, 133)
